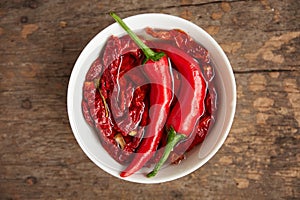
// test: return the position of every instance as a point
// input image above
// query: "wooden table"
(39, 156)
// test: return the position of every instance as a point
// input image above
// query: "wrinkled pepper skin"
(133, 116)
(183, 41)
(100, 117)
(118, 56)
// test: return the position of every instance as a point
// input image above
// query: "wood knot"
(31, 180)
(24, 19)
(26, 104)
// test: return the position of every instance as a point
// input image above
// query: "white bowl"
(226, 89)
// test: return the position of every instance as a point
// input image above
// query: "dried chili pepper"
(118, 146)
(202, 130)
(127, 56)
(99, 114)
(98, 104)
(182, 40)
(94, 70)
(86, 113)
(181, 121)
(136, 140)
(121, 97)
(194, 139)
(209, 75)
(157, 69)
(116, 101)
(130, 103)
(129, 46)
(111, 54)
(133, 116)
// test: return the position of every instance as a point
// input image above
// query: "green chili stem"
(149, 53)
(172, 140)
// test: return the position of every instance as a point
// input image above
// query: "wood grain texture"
(39, 156)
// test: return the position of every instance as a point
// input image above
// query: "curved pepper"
(158, 71)
(183, 41)
(190, 105)
(206, 121)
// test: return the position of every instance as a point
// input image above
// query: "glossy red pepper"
(190, 105)
(198, 135)
(160, 100)
(157, 69)
(202, 128)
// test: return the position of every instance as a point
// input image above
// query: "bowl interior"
(226, 88)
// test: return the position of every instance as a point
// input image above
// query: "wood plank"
(39, 156)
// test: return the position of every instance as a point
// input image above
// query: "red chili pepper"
(98, 101)
(95, 70)
(118, 99)
(202, 130)
(111, 54)
(195, 138)
(211, 100)
(133, 116)
(129, 46)
(119, 84)
(158, 72)
(198, 133)
(206, 121)
(86, 113)
(181, 121)
(182, 40)
(105, 125)
(100, 116)
(145, 117)
(177, 82)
